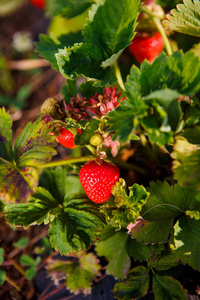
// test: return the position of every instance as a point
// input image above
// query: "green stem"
(160, 29)
(67, 161)
(12, 283)
(164, 36)
(15, 264)
(119, 76)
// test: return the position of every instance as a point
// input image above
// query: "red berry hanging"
(66, 138)
(38, 3)
(97, 178)
(146, 46)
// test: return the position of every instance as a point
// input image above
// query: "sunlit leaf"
(19, 169)
(126, 207)
(49, 44)
(186, 241)
(185, 18)
(101, 47)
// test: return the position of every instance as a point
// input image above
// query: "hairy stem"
(67, 161)
(160, 29)
(164, 36)
(15, 264)
(12, 283)
(119, 76)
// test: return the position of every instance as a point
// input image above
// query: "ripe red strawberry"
(97, 178)
(66, 138)
(38, 3)
(146, 46)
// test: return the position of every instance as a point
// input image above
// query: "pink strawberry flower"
(103, 104)
(113, 145)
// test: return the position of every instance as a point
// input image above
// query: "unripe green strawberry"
(96, 139)
(66, 137)
(50, 107)
(97, 178)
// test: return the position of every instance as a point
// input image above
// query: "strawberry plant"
(128, 190)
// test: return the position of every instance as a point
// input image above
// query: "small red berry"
(66, 138)
(38, 3)
(146, 46)
(97, 179)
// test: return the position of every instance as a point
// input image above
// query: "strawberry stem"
(164, 36)
(160, 30)
(119, 76)
(8, 279)
(67, 161)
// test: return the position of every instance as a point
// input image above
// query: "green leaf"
(21, 243)
(87, 89)
(178, 72)
(135, 286)
(101, 46)
(1, 255)
(167, 288)
(49, 45)
(77, 226)
(163, 96)
(2, 276)
(165, 262)
(152, 97)
(186, 241)
(42, 207)
(119, 15)
(34, 146)
(54, 180)
(69, 90)
(84, 138)
(185, 18)
(143, 252)
(81, 60)
(69, 8)
(167, 201)
(192, 135)
(187, 172)
(26, 260)
(5, 136)
(80, 271)
(19, 171)
(123, 129)
(112, 245)
(151, 231)
(31, 273)
(125, 208)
